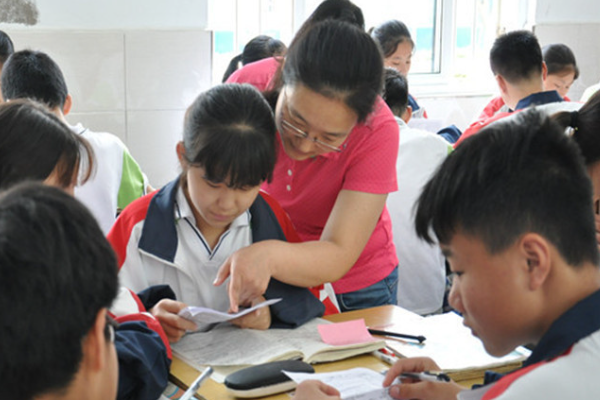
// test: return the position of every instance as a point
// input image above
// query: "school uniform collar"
(580, 321)
(536, 99)
(182, 209)
(159, 233)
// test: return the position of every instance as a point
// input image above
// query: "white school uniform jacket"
(117, 179)
(563, 365)
(421, 267)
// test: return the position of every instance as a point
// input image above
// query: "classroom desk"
(183, 374)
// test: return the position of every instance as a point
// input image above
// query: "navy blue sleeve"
(143, 362)
(298, 305)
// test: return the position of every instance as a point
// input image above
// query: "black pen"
(419, 338)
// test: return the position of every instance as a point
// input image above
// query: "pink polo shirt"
(308, 189)
(258, 73)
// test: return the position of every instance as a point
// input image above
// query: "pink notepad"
(344, 333)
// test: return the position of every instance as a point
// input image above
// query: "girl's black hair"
(390, 34)
(586, 127)
(560, 59)
(337, 60)
(34, 143)
(229, 131)
(256, 49)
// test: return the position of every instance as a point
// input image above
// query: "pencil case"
(265, 379)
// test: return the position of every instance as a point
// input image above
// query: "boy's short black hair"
(57, 271)
(6, 47)
(34, 75)
(229, 131)
(520, 174)
(516, 56)
(395, 91)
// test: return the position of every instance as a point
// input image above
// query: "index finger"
(415, 364)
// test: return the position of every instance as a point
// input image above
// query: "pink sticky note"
(342, 333)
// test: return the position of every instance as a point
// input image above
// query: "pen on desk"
(383, 356)
(196, 385)
(419, 338)
(430, 376)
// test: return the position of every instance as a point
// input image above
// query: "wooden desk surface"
(183, 374)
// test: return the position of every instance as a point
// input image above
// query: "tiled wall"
(133, 83)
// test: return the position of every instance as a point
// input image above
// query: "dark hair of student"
(34, 75)
(260, 47)
(560, 59)
(585, 125)
(518, 175)
(57, 271)
(337, 60)
(34, 143)
(395, 91)
(390, 34)
(6, 47)
(338, 10)
(229, 131)
(516, 56)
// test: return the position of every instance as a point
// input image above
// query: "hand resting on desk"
(419, 390)
(315, 390)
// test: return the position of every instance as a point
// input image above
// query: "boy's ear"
(501, 83)
(536, 250)
(407, 114)
(544, 70)
(94, 345)
(68, 104)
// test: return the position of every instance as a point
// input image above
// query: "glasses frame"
(304, 135)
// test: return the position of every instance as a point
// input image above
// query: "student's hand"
(249, 273)
(419, 390)
(257, 319)
(165, 311)
(315, 390)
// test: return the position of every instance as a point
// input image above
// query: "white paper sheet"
(202, 315)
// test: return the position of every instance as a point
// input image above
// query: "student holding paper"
(512, 209)
(180, 235)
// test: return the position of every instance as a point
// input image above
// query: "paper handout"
(202, 315)
(353, 384)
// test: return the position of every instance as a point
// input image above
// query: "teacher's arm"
(346, 233)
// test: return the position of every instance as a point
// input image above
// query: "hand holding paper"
(202, 315)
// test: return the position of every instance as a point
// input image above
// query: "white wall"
(131, 66)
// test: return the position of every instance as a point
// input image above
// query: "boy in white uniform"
(118, 179)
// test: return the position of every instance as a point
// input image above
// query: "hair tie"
(574, 119)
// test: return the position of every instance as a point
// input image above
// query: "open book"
(452, 346)
(228, 345)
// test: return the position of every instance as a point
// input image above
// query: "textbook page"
(452, 346)
(353, 384)
(228, 345)
(203, 315)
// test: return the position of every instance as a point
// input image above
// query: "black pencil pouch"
(265, 379)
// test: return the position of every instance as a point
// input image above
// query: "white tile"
(92, 63)
(166, 70)
(152, 137)
(111, 122)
